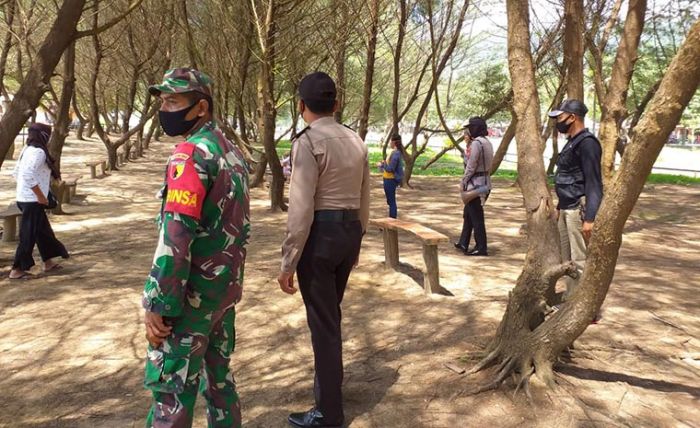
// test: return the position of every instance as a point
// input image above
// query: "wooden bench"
(429, 238)
(93, 167)
(9, 222)
(71, 184)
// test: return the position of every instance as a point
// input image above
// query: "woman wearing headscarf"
(33, 173)
(478, 159)
(392, 172)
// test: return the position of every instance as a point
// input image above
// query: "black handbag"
(53, 203)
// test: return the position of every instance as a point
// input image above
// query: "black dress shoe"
(476, 253)
(460, 247)
(312, 418)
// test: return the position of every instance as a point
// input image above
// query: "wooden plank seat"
(93, 167)
(428, 237)
(10, 220)
(71, 188)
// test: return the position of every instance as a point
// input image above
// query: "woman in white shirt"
(33, 173)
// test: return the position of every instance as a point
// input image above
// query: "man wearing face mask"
(328, 214)
(197, 273)
(578, 184)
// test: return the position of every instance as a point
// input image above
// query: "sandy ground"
(72, 347)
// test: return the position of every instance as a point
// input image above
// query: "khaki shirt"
(330, 171)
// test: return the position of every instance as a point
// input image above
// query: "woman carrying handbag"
(33, 173)
(475, 186)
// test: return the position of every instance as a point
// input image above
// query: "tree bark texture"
(573, 48)
(10, 7)
(266, 104)
(60, 129)
(36, 82)
(613, 107)
(534, 289)
(369, 67)
(505, 144)
(679, 84)
(538, 347)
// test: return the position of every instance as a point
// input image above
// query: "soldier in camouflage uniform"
(197, 273)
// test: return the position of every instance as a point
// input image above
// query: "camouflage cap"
(181, 80)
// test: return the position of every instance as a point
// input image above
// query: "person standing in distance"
(392, 173)
(578, 184)
(477, 173)
(197, 274)
(327, 217)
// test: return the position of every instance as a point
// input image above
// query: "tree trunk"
(81, 119)
(266, 104)
(259, 176)
(537, 348)
(7, 44)
(191, 47)
(643, 105)
(505, 143)
(555, 152)
(535, 285)
(677, 88)
(340, 80)
(573, 48)
(111, 147)
(36, 81)
(340, 54)
(129, 110)
(403, 19)
(614, 110)
(60, 129)
(369, 67)
(243, 72)
(155, 124)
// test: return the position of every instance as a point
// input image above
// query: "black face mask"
(174, 123)
(564, 127)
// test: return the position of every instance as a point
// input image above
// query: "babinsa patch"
(186, 192)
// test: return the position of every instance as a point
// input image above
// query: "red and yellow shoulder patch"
(186, 192)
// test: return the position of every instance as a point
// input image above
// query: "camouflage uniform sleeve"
(188, 181)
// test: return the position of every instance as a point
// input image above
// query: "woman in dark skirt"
(33, 173)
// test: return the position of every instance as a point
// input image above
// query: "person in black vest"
(578, 185)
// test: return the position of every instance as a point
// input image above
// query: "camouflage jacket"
(204, 228)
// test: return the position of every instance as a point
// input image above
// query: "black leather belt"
(337, 216)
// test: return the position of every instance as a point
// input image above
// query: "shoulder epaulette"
(300, 133)
(348, 127)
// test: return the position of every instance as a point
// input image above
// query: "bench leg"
(93, 171)
(391, 248)
(73, 190)
(9, 225)
(431, 275)
(103, 167)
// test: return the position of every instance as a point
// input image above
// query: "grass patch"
(450, 165)
(681, 180)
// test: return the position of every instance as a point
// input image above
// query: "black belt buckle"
(337, 216)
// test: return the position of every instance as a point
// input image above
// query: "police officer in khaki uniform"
(328, 214)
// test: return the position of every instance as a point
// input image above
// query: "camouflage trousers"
(194, 357)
